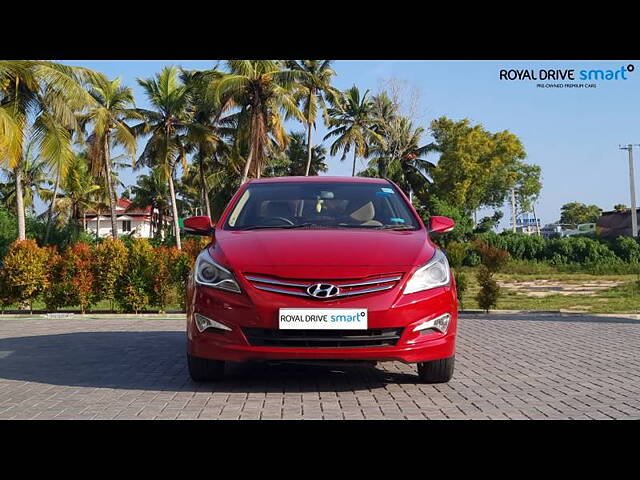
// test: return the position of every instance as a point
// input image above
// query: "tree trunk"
(22, 231)
(353, 173)
(306, 173)
(205, 190)
(50, 214)
(535, 217)
(174, 206)
(98, 226)
(247, 164)
(160, 228)
(112, 196)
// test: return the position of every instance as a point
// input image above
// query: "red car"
(321, 268)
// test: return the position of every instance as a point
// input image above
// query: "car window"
(321, 205)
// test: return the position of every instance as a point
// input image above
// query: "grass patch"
(624, 298)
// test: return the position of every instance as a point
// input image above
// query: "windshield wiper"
(256, 227)
(399, 227)
(351, 225)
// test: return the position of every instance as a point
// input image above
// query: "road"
(508, 366)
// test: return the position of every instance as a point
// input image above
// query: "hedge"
(132, 274)
(562, 251)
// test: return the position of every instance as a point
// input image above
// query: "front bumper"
(260, 309)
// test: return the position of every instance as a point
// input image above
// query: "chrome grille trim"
(279, 290)
(370, 282)
(254, 278)
(367, 290)
(276, 282)
(299, 289)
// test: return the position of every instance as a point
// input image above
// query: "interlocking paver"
(521, 366)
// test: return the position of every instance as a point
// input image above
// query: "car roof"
(319, 179)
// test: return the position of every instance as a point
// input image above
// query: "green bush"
(110, 261)
(135, 286)
(462, 284)
(487, 296)
(25, 274)
(627, 249)
(456, 252)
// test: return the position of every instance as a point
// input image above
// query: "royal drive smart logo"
(567, 77)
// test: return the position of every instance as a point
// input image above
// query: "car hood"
(279, 248)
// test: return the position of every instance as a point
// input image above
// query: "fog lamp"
(203, 323)
(440, 324)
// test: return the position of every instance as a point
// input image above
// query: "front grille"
(375, 337)
(347, 287)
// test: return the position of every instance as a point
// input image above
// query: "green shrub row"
(582, 253)
(131, 274)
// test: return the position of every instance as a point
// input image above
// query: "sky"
(572, 133)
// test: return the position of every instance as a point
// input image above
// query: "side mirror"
(200, 225)
(441, 224)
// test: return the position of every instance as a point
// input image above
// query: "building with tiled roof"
(130, 220)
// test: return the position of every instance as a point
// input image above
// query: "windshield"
(321, 205)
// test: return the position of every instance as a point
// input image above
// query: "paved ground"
(508, 366)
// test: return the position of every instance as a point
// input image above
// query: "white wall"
(142, 227)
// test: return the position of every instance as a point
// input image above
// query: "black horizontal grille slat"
(265, 337)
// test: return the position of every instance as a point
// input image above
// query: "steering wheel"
(281, 219)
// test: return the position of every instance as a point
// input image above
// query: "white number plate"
(323, 318)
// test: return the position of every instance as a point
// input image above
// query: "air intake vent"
(266, 337)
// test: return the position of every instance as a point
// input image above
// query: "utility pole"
(632, 189)
(513, 209)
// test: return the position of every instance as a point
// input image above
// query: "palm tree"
(294, 161)
(207, 131)
(399, 158)
(354, 125)
(39, 100)
(114, 104)
(167, 124)
(152, 190)
(262, 89)
(78, 191)
(33, 172)
(314, 87)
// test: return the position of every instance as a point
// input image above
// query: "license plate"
(322, 318)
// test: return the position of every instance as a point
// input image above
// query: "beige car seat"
(364, 215)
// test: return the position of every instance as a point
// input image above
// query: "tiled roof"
(123, 205)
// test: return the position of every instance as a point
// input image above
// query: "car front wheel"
(436, 371)
(205, 370)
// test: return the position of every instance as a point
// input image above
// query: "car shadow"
(155, 360)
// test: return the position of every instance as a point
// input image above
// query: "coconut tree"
(34, 175)
(353, 124)
(78, 191)
(211, 124)
(313, 88)
(152, 190)
(401, 157)
(114, 104)
(39, 100)
(263, 90)
(294, 160)
(167, 126)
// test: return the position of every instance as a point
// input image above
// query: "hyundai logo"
(323, 290)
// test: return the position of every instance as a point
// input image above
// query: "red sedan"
(321, 268)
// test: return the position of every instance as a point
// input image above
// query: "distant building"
(559, 230)
(135, 221)
(527, 224)
(615, 223)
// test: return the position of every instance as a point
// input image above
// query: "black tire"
(436, 371)
(205, 370)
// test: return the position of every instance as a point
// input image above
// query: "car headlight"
(211, 274)
(434, 274)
